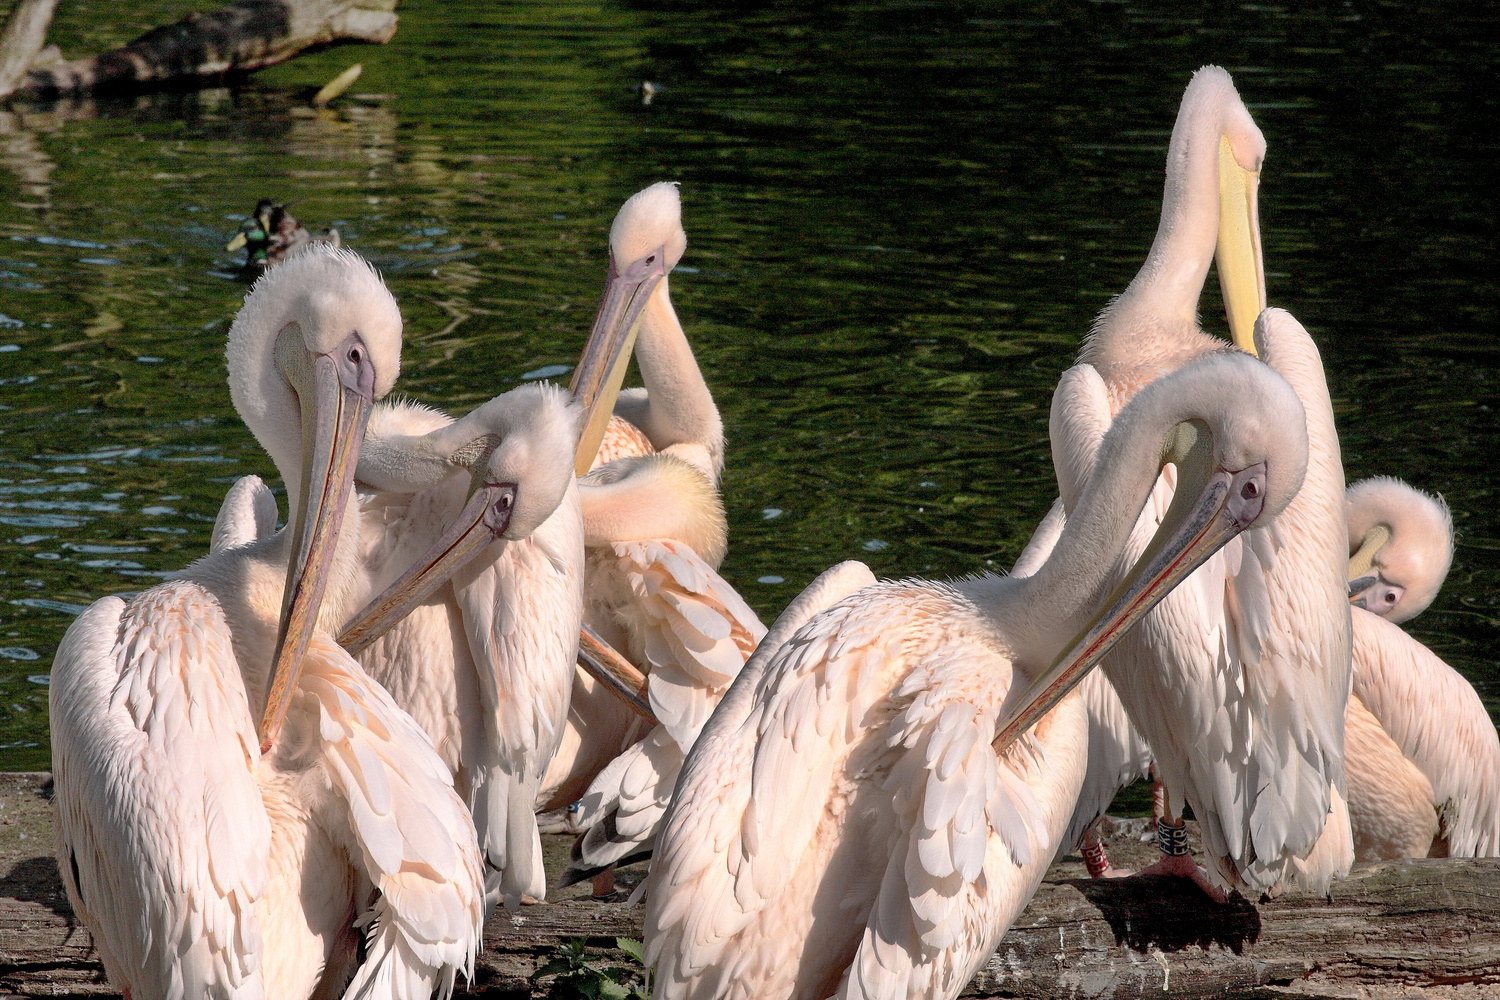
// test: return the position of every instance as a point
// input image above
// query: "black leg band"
(1171, 840)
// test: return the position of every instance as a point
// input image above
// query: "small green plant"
(575, 976)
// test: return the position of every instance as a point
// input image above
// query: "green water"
(901, 216)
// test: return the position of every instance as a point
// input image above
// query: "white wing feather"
(407, 831)
(158, 812)
(1434, 715)
(695, 633)
(878, 690)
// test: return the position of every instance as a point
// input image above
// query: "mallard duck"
(271, 234)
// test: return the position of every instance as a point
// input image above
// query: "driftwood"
(242, 37)
(1392, 929)
(22, 39)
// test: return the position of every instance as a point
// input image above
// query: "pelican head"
(1238, 435)
(645, 242)
(1401, 545)
(1209, 212)
(518, 448)
(1213, 112)
(317, 341)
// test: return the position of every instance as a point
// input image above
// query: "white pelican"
(1400, 547)
(1422, 756)
(1238, 681)
(512, 608)
(846, 826)
(655, 534)
(204, 860)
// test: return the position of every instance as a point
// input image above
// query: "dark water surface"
(901, 216)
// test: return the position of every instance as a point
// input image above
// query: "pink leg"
(1175, 860)
(1094, 857)
(604, 883)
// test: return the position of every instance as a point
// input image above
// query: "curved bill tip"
(483, 520)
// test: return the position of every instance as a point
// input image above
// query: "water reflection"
(901, 220)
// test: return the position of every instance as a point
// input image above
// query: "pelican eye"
(1250, 490)
(354, 355)
(651, 259)
(504, 503)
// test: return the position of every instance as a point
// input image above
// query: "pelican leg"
(604, 884)
(1094, 856)
(1176, 861)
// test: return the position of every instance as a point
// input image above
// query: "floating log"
(21, 40)
(1391, 929)
(242, 37)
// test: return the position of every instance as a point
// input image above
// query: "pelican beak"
(1242, 278)
(1358, 587)
(332, 429)
(1189, 534)
(237, 242)
(601, 370)
(483, 520)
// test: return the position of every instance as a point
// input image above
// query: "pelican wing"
(696, 630)
(521, 603)
(404, 826)
(871, 697)
(622, 439)
(1436, 718)
(697, 633)
(162, 838)
(952, 796)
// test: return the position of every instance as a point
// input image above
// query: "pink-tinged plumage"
(485, 663)
(842, 826)
(1238, 679)
(1424, 779)
(1434, 718)
(200, 865)
(655, 533)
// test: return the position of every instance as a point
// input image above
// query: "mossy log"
(1391, 929)
(239, 38)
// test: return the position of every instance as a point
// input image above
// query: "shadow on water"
(902, 218)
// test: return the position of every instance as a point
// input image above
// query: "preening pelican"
(845, 824)
(483, 665)
(1400, 547)
(485, 661)
(207, 859)
(1238, 681)
(1422, 756)
(655, 533)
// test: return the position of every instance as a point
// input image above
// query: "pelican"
(845, 824)
(655, 533)
(1238, 681)
(472, 631)
(1422, 756)
(1400, 547)
(208, 858)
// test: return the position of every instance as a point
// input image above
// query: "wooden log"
(1392, 929)
(244, 36)
(21, 39)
